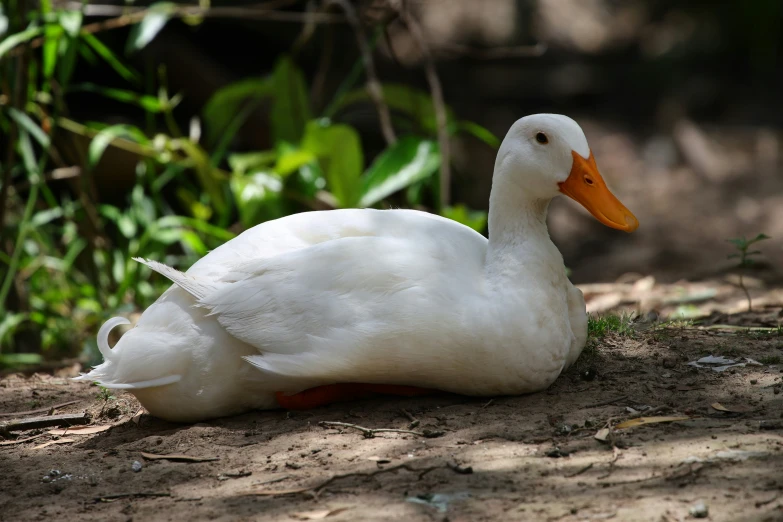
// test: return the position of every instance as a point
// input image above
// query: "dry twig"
(371, 432)
(321, 485)
(65, 419)
(437, 102)
(414, 421)
(606, 402)
(39, 410)
(115, 496)
(126, 16)
(493, 53)
(373, 84)
(580, 471)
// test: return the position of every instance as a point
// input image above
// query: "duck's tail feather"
(169, 379)
(197, 287)
(103, 335)
(108, 374)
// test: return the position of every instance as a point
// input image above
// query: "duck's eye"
(541, 138)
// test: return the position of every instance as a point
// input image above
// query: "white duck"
(296, 312)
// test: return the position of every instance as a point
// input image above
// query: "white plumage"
(370, 296)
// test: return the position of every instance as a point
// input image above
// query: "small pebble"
(699, 510)
(136, 466)
(754, 381)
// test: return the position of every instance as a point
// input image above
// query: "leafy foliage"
(70, 264)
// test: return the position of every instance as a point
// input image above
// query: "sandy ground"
(533, 457)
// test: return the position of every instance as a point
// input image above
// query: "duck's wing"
(307, 229)
(345, 308)
(359, 306)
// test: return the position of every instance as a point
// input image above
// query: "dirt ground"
(535, 457)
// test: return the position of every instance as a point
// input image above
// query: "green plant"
(104, 395)
(770, 359)
(742, 245)
(65, 254)
(599, 327)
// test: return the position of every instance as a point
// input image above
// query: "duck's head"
(545, 155)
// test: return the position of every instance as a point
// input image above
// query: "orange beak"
(586, 186)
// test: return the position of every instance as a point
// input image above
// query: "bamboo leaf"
(71, 21)
(146, 31)
(52, 34)
(27, 123)
(18, 38)
(104, 138)
(145, 101)
(108, 56)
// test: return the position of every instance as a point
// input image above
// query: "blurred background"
(163, 130)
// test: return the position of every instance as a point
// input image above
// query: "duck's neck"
(519, 245)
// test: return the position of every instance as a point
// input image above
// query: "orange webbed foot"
(331, 393)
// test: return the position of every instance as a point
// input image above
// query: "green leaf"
(759, 237)
(118, 266)
(71, 21)
(145, 101)
(3, 21)
(46, 216)
(228, 101)
(408, 161)
(108, 56)
(190, 240)
(244, 162)
(127, 226)
(479, 132)
(415, 103)
(52, 34)
(201, 226)
(106, 136)
(211, 181)
(308, 180)
(8, 325)
(291, 106)
(290, 161)
(15, 39)
(24, 121)
(28, 156)
(258, 196)
(475, 219)
(144, 32)
(338, 149)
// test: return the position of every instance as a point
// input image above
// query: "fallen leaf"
(183, 458)
(319, 514)
(51, 442)
(602, 434)
(720, 407)
(648, 420)
(19, 441)
(80, 430)
(379, 460)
